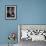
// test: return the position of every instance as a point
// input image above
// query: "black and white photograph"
(30, 34)
(10, 12)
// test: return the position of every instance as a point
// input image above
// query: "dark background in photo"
(10, 12)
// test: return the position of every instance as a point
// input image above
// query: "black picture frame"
(10, 12)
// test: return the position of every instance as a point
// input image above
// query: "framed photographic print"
(10, 12)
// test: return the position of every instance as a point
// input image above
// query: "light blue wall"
(28, 12)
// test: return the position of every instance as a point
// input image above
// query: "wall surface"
(28, 12)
